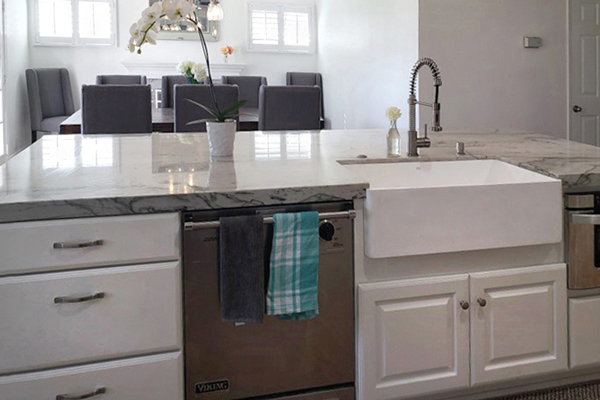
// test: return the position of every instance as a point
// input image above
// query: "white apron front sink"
(415, 208)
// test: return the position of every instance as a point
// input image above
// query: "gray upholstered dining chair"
(121, 80)
(168, 83)
(249, 87)
(306, 79)
(184, 111)
(289, 108)
(50, 99)
(116, 109)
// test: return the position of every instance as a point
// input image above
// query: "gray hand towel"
(242, 275)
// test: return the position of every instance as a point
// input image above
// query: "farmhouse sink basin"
(415, 208)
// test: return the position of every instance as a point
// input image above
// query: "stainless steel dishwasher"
(301, 360)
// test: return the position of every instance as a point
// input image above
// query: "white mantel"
(155, 70)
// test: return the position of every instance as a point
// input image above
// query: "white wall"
(366, 51)
(490, 82)
(16, 108)
(85, 63)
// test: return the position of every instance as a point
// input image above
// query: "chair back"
(289, 108)
(249, 87)
(304, 79)
(121, 80)
(50, 95)
(307, 79)
(184, 111)
(116, 109)
(168, 82)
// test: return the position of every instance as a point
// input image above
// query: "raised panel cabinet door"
(518, 323)
(413, 337)
(584, 332)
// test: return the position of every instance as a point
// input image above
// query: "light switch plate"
(531, 42)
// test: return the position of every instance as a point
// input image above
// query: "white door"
(3, 145)
(413, 337)
(518, 323)
(584, 71)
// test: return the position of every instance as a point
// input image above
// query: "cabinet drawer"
(149, 378)
(140, 313)
(584, 331)
(30, 246)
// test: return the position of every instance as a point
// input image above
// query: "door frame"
(569, 99)
(4, 151)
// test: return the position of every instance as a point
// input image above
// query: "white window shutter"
(280, 28)
(76, 22)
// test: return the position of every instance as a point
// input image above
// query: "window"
(75, 22)
(281, 28)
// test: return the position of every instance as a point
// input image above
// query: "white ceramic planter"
(221, 138)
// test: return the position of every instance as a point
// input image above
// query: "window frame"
(281, 47)
(76, 40)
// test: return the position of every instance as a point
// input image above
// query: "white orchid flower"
(131, 45)
(152, 13)
(134, 31)
(179, 10)
(151, 37)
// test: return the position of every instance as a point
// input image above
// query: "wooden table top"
(163, 120)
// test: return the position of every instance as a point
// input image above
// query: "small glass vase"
(393, 140)
(226, 58)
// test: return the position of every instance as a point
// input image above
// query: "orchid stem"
(207, 59)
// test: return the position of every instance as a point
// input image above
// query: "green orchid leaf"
(201, 121)
(208, 110)
(235, 107)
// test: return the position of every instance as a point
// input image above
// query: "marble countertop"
(72, 176)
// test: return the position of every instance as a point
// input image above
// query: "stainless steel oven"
(582, 238)
(299, 360)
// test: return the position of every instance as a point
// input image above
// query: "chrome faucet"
(414, 141)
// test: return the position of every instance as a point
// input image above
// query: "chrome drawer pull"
(95, 243)
(95, 393)
(73, 300)
(585, 219)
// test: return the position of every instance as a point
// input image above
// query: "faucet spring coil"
(437, 79)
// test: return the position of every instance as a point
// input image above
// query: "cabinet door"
(518, 323)
(413, 337)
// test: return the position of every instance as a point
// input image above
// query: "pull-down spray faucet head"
(414, 141)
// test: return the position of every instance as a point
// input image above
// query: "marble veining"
(73, 176)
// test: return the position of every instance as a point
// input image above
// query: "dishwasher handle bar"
(195, 226)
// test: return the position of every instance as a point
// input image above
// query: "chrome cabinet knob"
(577, 109)
(481, 302)
(464, 305)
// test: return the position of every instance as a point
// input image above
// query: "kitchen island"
(118, 198)
(76, 176)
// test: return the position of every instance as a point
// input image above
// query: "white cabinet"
(46, 246)
(156, 377)
(584, 331)
(415, 336)
(62, 321)
(139, 313)
(520, 327)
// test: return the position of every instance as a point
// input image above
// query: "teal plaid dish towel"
(294, 275)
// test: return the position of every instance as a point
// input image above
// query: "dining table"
(163, 120)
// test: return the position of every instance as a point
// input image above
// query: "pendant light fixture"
(215, 11)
